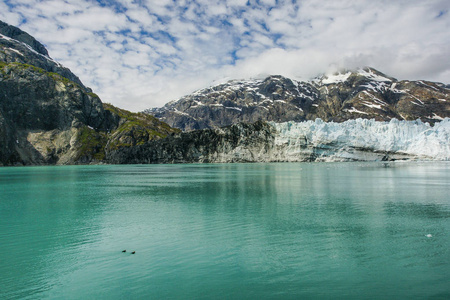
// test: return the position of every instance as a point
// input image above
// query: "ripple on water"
(237, 231)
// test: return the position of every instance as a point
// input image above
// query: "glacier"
(361, 139)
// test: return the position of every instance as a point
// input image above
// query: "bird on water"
(124, 250)
(133, 252)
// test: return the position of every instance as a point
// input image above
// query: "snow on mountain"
(335, 78)
(362, 93)
(17, 46)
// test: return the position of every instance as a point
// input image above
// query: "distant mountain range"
(364, 93)
(47, 116)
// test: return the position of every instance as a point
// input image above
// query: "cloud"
(141, 54)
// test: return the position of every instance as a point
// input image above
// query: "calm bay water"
(231, 231)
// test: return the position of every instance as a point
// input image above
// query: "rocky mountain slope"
(364, 93)
(18, 46)
(205, 146)
(47, 116)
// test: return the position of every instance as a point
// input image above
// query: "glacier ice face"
(362, 139)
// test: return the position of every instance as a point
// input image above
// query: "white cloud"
(140, 54)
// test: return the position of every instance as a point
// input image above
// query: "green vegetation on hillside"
(135, 128)
(19, 66)
(92, 143)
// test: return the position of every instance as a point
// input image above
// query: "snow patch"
(368, 104)
(368, 73)
(354, 110)
(14, 50)
(427, 85)
(234, 108)
(336, 78)
(180, 112)
(436, 117)
(6, 37)
(31, 49)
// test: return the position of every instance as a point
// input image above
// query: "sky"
(138, 54)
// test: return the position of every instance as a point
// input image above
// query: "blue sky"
(144, 53)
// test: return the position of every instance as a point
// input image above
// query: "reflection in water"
(416, 211)
(42, 211)
(237, 230)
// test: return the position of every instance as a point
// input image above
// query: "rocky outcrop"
(47, 116)
(238, 143)
(364, 93)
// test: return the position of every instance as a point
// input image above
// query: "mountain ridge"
(362, 93)
(20, 35)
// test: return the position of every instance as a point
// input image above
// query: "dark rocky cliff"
(47, 116)
(365, 93)
(241, 142)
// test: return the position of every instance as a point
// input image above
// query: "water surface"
(224, 231)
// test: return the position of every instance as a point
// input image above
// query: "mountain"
(47, 116)
(364, 93)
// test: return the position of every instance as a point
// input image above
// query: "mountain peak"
(340, 96)
(346, 74)
(17, 46)
(21, 36)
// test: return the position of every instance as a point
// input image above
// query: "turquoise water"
(231, 231)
